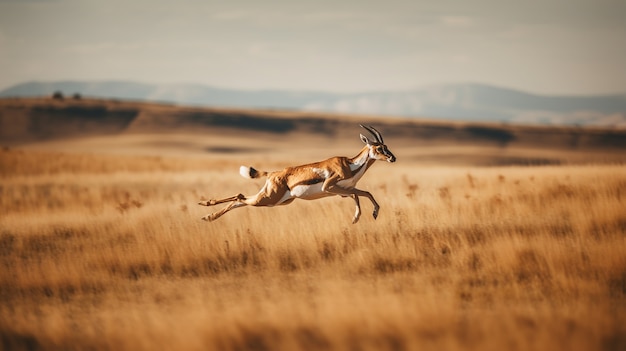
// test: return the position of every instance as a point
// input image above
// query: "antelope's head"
(377, 148)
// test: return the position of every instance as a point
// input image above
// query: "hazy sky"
(547, 46)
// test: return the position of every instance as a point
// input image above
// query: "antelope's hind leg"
(213, 216)
(235, 201)
(217, 202)
(267, 196)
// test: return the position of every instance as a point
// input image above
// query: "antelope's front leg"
(357, 212)
(330, 186)
(376, 206)
(359, 192)
(375, 213)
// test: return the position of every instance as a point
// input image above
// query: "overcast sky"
(547, 46)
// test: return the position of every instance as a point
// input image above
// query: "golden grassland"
(108, 252)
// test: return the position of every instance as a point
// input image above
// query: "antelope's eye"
(379, 149)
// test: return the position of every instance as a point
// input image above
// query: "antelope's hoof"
(355, 219)
(207, 202)
(208, 218)
(375, 214)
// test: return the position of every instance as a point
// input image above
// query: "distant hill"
(31, 120)
(184, 94)
(462, 102)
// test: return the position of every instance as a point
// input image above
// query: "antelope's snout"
(388, 156)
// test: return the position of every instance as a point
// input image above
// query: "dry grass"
(109, 253)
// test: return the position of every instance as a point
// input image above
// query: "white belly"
(305, 192)
(348, 183)
(312, 191)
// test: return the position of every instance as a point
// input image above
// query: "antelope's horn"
(375, 133)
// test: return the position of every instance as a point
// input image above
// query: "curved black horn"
(375, 133)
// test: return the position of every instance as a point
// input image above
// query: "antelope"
(334, 176)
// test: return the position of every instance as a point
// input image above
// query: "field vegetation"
(107, 252)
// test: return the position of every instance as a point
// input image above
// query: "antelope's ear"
(364, 139)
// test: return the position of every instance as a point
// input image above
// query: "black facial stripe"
(382, 149)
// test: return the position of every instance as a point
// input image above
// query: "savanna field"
(107, 252)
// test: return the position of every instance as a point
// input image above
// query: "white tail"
(251, 173)
(245, 172)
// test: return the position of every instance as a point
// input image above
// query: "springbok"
(334, 176)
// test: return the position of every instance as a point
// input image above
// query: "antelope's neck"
(361, 161)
